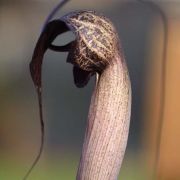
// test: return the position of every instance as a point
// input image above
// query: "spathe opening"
(63, 39)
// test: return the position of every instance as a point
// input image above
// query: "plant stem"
(108, 124)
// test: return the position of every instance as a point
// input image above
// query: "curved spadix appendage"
(95, 50)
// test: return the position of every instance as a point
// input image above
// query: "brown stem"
(108, 124)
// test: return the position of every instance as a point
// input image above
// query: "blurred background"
(65, 107)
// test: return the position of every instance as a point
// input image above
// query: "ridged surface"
(108, 125)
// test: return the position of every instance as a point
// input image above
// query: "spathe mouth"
(91, 52)
(49, 34)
